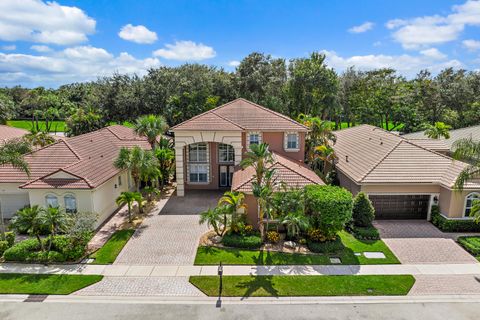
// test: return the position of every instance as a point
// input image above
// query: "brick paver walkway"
(419, 242)
(446, 284)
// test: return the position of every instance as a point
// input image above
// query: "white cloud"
(234, 63)
(41, 48)
(43, 22)
(362, 28)
(433, 53)
(425, 31)
(10, 47)
(82, 63)
(377, 43)
(138, 34)
(186, 50)
(471, 45)
(405, 64)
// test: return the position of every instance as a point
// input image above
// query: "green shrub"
(71, 250)
(273, 236)
(10, 238)
(366, 233)
(471, 244)
(453, 225)
(330, 208)
(239, 241)
(363, 212)
(330, 246)
(22, 251)
(316, 235)
(3, 246)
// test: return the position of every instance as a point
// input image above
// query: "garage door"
(400, 206)
(10, 203)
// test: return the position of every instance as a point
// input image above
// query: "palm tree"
(295, 222)
(29, 220)
(56, 220)
(166, 162)
(138, 198)
(127, 198)
(12, 153)
(151, 126)
(233, 202)
(475, 212)
(39, 138)
(213, 218)
(151, 192)
(260, 158)
(467, 150)
(137, 161)
(326, 154)
(438, 130)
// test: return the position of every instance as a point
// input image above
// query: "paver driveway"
(169, 236)
(419, 241)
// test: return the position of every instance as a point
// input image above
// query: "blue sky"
(51, 43)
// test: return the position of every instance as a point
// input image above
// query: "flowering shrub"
(273, 236)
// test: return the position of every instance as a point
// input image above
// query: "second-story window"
(254, 138)
(226, 153)
(198, 166)
(291, 141)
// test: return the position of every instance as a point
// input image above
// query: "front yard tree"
(137, 161)
(363, 211)
(151, 126)
(127, 198)
(215, 219)
(467, 150)
(295, 222)
(438, 130)
(28, 220)
(233, 202)
(166, 162)
(56, 220)
(11, 153)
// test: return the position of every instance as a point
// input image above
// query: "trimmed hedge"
(239, 241)
(331, 246)
(363, 211)
(366, 233)
(454, 225)
(471, 244)
(330, 208)
(3, 246)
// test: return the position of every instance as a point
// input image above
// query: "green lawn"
(213, 256)
(281, 286)
(58, 126)
(471, 244)
(391, 126)
(110, 250)
(16, 283)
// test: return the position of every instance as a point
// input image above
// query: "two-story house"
(210, 146)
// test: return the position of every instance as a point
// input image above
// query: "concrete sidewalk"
(185, 271)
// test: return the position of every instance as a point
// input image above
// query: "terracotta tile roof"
(472, 132)
(240, 115)
(88, 157)
(7, 133)
(369, 154)
(293, 173)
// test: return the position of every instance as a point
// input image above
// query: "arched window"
(469, 200)
(51, 200)
(70, 203)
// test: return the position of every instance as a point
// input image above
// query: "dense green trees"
(306, 85)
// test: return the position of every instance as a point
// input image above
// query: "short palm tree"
(438, 130)
(127, 198)
(214, 218)
(12, 153)
(326, 154)
(29, 220)
(295, 222)
(151, 126)
(151, 192)
(138, 198)
(39, 138)
(56, 220)
(233, 202)
(467, 150)
(137, 161)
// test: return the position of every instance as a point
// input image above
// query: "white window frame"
(254, 133)
(70, 195)
(193, 167)
(474, 196)
(229, 152)
(52, 196)
(285, 143)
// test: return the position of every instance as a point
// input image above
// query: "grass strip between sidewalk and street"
(213, 255)
(296, 286)
(18, 283)
(111, 249)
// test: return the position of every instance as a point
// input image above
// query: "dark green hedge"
(240, 241)
(326, 246)
(471, 244)
(366, 233)
(330, 208)
(454, 225)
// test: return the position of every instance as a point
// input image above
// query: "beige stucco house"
(210, 146)
(402, 177)
(75, 173)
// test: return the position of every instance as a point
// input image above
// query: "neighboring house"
(210, 146)
(8, 133)
(75, 173)
(401, 177)
(472, 132)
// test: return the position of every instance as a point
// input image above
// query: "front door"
(226, 175)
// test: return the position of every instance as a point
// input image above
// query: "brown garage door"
(400, 206)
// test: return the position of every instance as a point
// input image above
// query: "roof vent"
(346, 158)
(381, 141)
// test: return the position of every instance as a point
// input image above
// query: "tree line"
(307, 85)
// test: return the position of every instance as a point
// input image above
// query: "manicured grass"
(16, 283)
(471, 244)
(213, 256)
(281, 286)
(110, 250)
(58, 126)
(344, 125)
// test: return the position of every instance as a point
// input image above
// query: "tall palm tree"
(438, 130)
(467, 150)
(260, 158)
(326, 154)
(12, 153)
(233, 201)
(151, 126)
(127, 198)
(166, 163)
(137, 161)
(29, 220)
